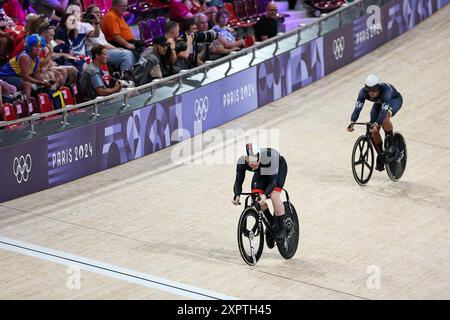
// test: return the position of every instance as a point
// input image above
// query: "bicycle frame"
(254, 196)
(368, 126)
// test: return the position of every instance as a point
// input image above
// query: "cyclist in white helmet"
(270, 170)
(387, 101)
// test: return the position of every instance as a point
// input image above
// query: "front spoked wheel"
(395, 168)
(362, 160)
(250, 236)
(288, 247)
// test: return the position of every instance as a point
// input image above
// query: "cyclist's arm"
(358, 105)
(240, 177)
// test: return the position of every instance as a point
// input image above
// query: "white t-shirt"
(90, 42)
(79, 48)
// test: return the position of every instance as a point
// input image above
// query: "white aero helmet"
(372, 82)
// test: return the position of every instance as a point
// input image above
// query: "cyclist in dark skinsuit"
(387, 101)
(270, 170)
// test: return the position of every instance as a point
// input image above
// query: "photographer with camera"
(180, 47)
(196, 56)
(201, 40)
(154, 62)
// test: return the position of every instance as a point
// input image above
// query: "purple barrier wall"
(136, 134)
(273, 79)
(338, 48)
(290, 71)
(306, 64)
(220, 102)
(238, 94)
(23, 169)
(69, 155)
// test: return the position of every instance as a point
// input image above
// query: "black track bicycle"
(253, 226)
(363, 157)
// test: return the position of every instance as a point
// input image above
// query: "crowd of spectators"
(48, 44)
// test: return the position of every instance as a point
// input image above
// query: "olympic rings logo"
(201, 107)
(339, 47)
(22, 168)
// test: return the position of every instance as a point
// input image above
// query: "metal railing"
(126, 93)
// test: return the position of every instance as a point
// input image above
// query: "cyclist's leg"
(275, 196)
(277, 202)
(376, 137)
(388, 128)
(259, 186)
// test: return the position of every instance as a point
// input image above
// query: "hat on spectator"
(160, 40)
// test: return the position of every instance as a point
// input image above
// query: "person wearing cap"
(153, 63)
(92, 77)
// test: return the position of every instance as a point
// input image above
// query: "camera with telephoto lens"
(197, 37)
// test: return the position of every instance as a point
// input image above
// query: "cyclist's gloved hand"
(235, 200)
(350, 127)
(262, 199)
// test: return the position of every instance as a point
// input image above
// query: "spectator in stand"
(179, 10)
(26, 30)
(86, 31)
(7, 35)
(14, 10)
(32, 25)
(49, 7)
(117, 31)
(72, 41)
(66, 38)
(92, 77)
(226, 42)
(22, 70)
(118, 58)
(267, 26)
(201, 20)
(77, 3)
(61, 75)
(6, 90)
(199, 6)
(217, 3)
(154, 63)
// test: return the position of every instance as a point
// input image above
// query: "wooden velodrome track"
(168, 223)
